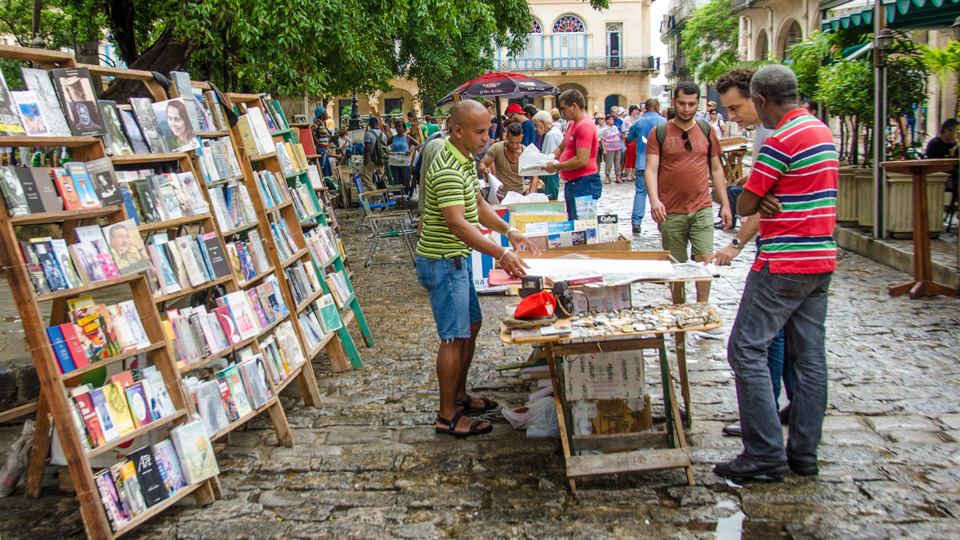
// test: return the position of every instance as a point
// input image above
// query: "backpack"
(662, 136)
(379, 154)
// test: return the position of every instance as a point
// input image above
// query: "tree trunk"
(165, 55)
(855, 147)
(843, 139)
(121, 18)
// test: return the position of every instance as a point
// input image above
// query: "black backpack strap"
(705, 127)
(661, 137)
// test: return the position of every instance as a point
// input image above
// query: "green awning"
(901, 14)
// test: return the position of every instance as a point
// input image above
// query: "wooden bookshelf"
(133, 159)
(55, 405)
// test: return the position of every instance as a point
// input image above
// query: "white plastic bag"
(538, 417)
(16, 460)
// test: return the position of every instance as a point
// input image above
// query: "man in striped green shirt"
(453, 213)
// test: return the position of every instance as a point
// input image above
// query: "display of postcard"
(126, 246)
(132, 129)
(30, 113)
(104, 181)
(147, 120)
(115, 139)
(13, 193)
(173, 117)
(9, 117)
(80, 101)
(38, 82)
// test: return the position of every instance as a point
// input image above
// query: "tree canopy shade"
(709, 41)
(292, 47)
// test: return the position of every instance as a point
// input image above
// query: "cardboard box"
(607, 298)
(609, 416)
(617, 375)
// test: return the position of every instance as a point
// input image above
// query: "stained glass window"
(535, 27)
(569, 24)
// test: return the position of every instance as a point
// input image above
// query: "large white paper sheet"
(532, 162)
(614, 271)
(495, 184)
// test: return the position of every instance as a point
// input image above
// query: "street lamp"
(956, 28)
(883, 43)
(355, 129)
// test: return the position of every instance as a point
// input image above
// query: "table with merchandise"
(628, 328)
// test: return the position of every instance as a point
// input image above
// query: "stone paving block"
(358, 462)
(843, 423)
(313, 481)
(223, 510)
(417, 531)
(336, 529)
(913, 437)
(304, 514)
(248, 482)
(441, 497)
(616, 498)
(398, 449)
(357, 435)
(351, 499)
(305, 451)
(238, 528)
(860, 437)
(274, 465)
(273, 499)
(692, 495)
(951, 421)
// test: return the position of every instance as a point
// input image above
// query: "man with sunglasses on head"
(682, 154)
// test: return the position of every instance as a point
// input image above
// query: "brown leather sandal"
(451, 428)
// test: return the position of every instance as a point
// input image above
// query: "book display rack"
(83, 335)
(264, 141)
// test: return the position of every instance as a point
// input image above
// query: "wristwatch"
(736, 243)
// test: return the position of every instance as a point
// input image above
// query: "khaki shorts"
(695, 228)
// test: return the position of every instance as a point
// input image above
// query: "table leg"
(680, 342)
(561, 417)
(674, 412)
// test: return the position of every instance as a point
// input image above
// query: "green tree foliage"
(709, 41)
(942, 62)
(807, 56)
(846, 88)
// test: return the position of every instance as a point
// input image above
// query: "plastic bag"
(538, 417)
(16, 460)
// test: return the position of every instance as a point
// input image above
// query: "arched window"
(532, 55)
(569, 43)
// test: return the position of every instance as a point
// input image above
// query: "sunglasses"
(686, 141)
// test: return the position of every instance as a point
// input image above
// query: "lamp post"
(882, 45)
(956, 28)
(355, 126)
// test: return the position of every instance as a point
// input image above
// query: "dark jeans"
(796, 303)
(733, 193)
(578, 187)
(401, 176)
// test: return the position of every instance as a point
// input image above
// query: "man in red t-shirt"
(577, 153)
(678, 182)
(789, 283)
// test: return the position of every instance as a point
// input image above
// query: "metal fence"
(644, 63)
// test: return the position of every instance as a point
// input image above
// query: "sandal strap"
(452, 423)
(465, 402)
(475, 427)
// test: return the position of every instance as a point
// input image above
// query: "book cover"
(250, 143)
(147, 120)
(181, 79)
(607, 228)
(60, 350)
(210, 407)
(13, 194)
(129, 310)
(91, 236)
(9, 118)
(80, 101)
(48, 261)
(163, 268)
(34, 268)
(131, 484)
(154, 490)
(83, 185)
(91, 334)
(68, 192)
(138, 405)
(134, 135)
(155, 391)
(104, 181)
(243, 315)
(119, 409)
(125, 502)
(167, 195)
(129, 204)
(49, 198)
(84, 404)
(72, 339)
(195, 451)
(237, 390)
(228, 325)
(149, 203)
(330, 319)
(208, 243)
(176, 128)
(254, 299)
(228, 402)
(30, 190)
(115, 140)
(38, 82)
(263, 292)
(165, 457)
(110, 499)
(102, 410)
(31, 115)
(195, 274)
(126, 247)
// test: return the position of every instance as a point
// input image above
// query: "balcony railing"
(676, 64)
(642, 63)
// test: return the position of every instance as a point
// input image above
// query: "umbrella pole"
(499, 132)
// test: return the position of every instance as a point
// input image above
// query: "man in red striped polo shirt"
(788, 284)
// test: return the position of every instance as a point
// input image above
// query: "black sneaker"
(636, 228)
(747, 468)
(803, 468)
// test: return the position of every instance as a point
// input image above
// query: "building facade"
(671, 34)
(605, 54)
(769, 27)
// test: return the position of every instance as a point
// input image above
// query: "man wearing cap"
(516, 114)
(453, 212)
(370, 139)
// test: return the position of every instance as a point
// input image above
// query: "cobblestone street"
(368, 464)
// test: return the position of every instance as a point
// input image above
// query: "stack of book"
(78, 185)
(119, 406)
(322, 244)
(302, 281)
(153, 197)
(247, 257)
(232, 206)
(303, 201)
(273, 188)
(293, 160)
(320, 318)
(151, 474)
(254, 133)
(232, 393)
(339, 287)
(98, 255)
(282, 352)
(185, 262)
(197, 334)
(96, 332)
(283, 239)
(206, 113)
(218, 161)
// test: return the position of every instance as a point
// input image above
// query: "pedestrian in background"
(577, 153)
(610, 135)
(552, 137)
(639, 132)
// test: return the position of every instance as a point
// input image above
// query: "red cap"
(514, 108)
(536, 306)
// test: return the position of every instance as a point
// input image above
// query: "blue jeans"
(733, 193)
(401, 176)
(453, 297)
(578, 187)
(325, 169)
(639, 198)
(797, 303)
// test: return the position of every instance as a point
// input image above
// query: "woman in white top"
(543, 121)
(719, 126)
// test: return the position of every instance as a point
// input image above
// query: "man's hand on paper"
(517, 240)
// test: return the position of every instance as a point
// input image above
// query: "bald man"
(453, 212)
